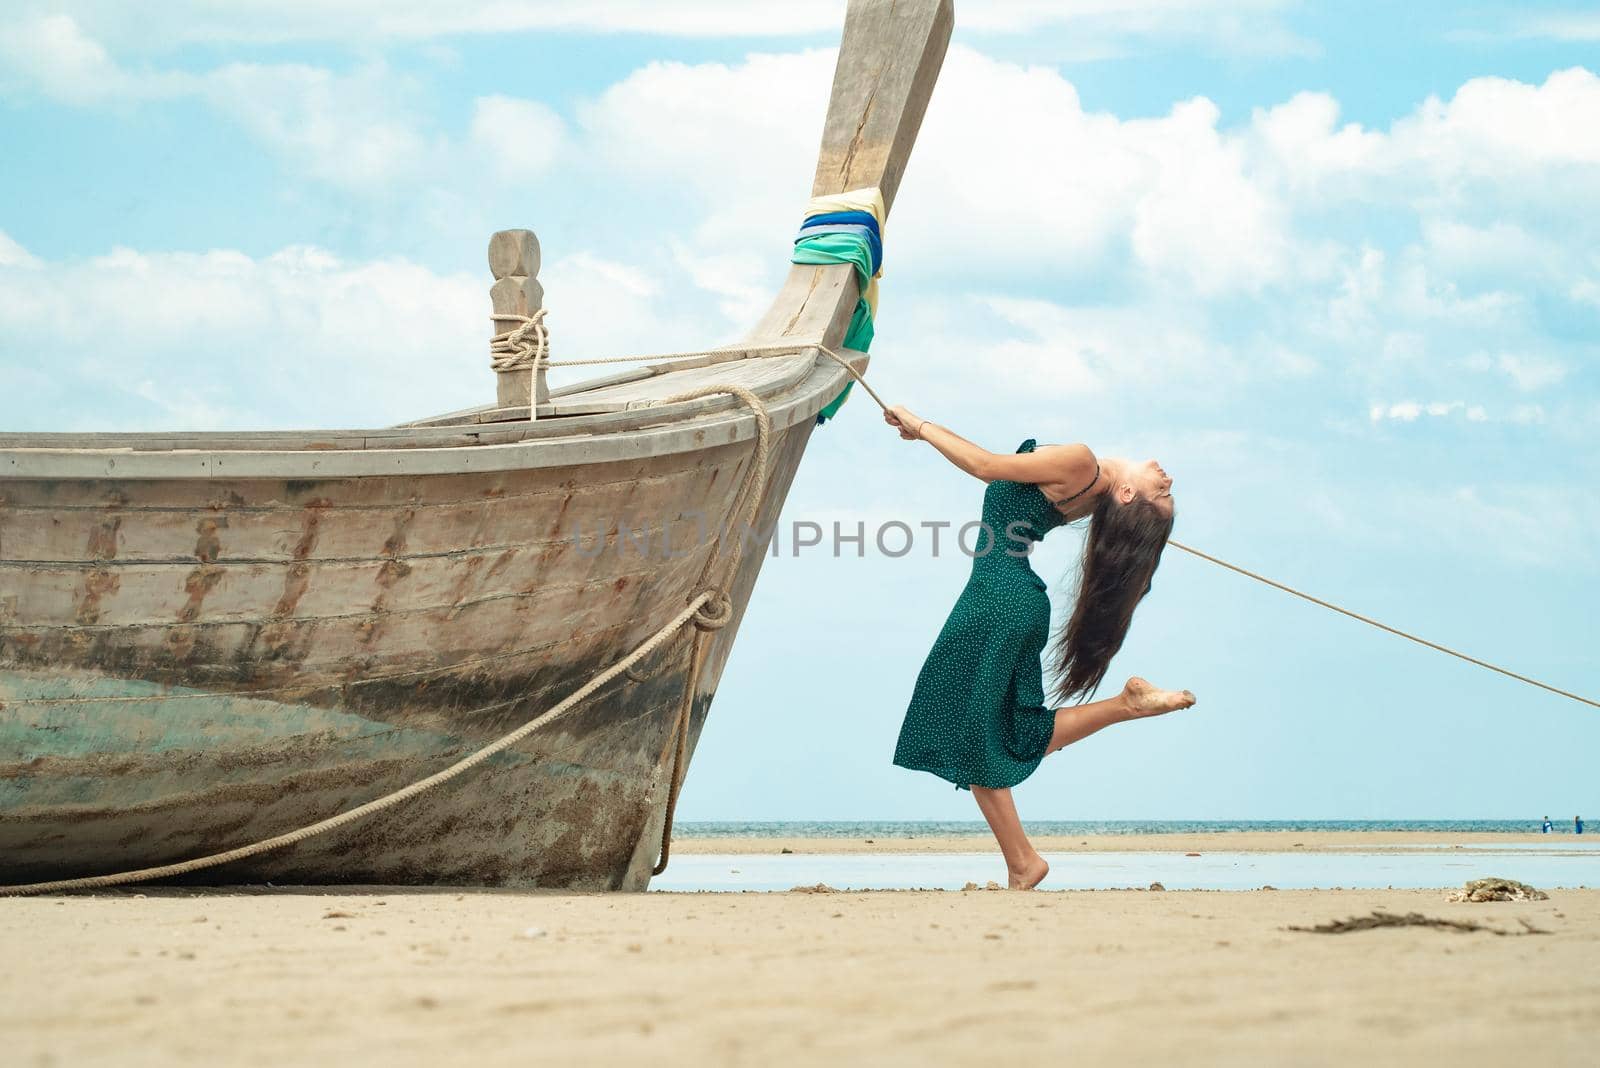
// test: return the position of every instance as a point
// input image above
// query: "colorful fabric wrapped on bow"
(847, 228)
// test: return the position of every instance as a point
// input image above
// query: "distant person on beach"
(978, 716)
(1577, 825)
(1547, 827)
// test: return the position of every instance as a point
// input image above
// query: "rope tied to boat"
(707, 618)
(523, 346)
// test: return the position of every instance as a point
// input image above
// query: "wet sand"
(1223, 841)
(433, 978)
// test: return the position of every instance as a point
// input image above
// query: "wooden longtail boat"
(211, 638)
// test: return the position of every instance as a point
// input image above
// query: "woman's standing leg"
(1137, 700)
(1026, 867)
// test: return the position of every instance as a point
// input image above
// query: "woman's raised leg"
(1137, 700)
(1025, 866)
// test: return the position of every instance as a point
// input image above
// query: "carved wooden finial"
(514, 252)
(514, 262)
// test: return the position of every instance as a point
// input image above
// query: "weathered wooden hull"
(170, 621)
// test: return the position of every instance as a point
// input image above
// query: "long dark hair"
(1120, 558)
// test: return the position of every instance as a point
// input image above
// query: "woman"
(978, 716)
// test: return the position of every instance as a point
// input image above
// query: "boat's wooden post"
(889, 59)
(514, 262)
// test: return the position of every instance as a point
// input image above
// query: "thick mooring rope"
(746, 507)
(524, 345)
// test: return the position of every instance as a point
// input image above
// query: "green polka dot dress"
(978, 716)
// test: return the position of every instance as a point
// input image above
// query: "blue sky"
(1335, 265)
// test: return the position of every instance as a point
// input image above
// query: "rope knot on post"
(716, 612)
(523, 346)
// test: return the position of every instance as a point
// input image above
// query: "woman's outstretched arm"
(1052, 463)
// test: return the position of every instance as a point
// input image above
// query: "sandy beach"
(274, 976)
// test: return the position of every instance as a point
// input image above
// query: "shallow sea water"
(1559, 866)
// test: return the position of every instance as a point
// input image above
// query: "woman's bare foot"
(1143, 699)
(1030, 876)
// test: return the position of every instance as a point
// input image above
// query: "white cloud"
(1203, 218)
(1425, 295)
(299, 337)
(1561, 26)
(1415, 411)
(1247, 27)
(13, 254)
(1517, 524)
(697, 130)
(1302, 141)
(381, 340)
(1105, 27)
(604, 307)
(1088, 350)
(352, 129)
(362, 129)
(1411, 411)
(1009, 168)
(1529, 372)
(1508, 524)
(1496, 126)
(1496, 144)
(740, 279)
(51, 54)
(349, 129)
(519, 138)
(1496, 249)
